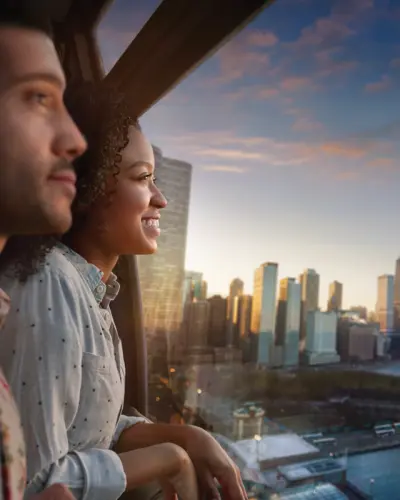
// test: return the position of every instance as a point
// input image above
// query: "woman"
(65, 364)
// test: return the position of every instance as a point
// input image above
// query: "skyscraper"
(162, 274)
(217, 321)
(309, 282)
(396, 319)
(192, 285)
(235, 289)
(335, 296)
(263, 312)
(288, 320)
(195, 324)
(242, 315)
(384, 305)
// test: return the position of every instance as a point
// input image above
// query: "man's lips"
(68, 177)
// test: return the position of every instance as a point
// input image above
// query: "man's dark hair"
(24, 15)
(102, 114)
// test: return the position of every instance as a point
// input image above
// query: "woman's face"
(131, 219)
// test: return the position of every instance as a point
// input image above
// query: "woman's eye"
(148, 177)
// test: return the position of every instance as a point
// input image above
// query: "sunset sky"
(293, 131)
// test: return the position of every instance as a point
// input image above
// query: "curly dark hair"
(102, 114)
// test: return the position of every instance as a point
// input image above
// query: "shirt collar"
(104, 293)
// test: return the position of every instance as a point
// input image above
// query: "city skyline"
(293, 137)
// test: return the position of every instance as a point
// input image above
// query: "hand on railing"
(55, 492)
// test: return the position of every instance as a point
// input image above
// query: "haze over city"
(292, 128)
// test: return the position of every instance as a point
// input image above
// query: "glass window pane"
(271, 308)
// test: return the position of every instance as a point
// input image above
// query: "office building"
(288, 320)
(162, 274)
(309, 282)
(384, 305)
(217, 321)
(192, 287)
(356, 339)
(195, 324)
(320, 347)
(396, 298)
(235, 290)
(263, 311)
(241, 317)
(335, 300)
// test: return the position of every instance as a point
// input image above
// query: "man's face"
(38, 139)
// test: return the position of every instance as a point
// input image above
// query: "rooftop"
(271, 448)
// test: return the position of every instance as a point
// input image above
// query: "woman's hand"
(55, 492)
(167, 463)
(211, 462)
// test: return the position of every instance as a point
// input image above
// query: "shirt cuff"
(105, 477)
(124, 423)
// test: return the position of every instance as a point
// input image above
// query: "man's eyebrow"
(41, 76)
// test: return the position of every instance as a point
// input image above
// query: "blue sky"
(293, 130)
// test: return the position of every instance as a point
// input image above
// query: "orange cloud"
(381, 85)
(386, 163)
(261, 38)
(235, 154)
(343, 149)
(225, 168)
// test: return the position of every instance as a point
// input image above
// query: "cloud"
(329, 63)
(347, 176)
(261, 38)
(344, 149)
(234, 154)
(385, 163)
(267, 93)
(295, 83)
(395, 63)
(379, 86)
(332, 30)
(252, 92)
(337, 157)
(306, 124)
(225, 168)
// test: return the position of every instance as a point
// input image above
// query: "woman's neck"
(94, 252)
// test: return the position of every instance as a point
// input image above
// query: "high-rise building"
(309, 282)
(217, 321)
(384, 305)
(235, 289)
(195, 324)
(288, 320)
(335, 296)
(321, 338)
(192, 286)
(242, 317)
(396, 297)
(162, 274)
(263, 311)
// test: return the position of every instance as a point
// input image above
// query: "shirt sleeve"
(42, 353)
(124, 423)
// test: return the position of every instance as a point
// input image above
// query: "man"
(38, 142)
